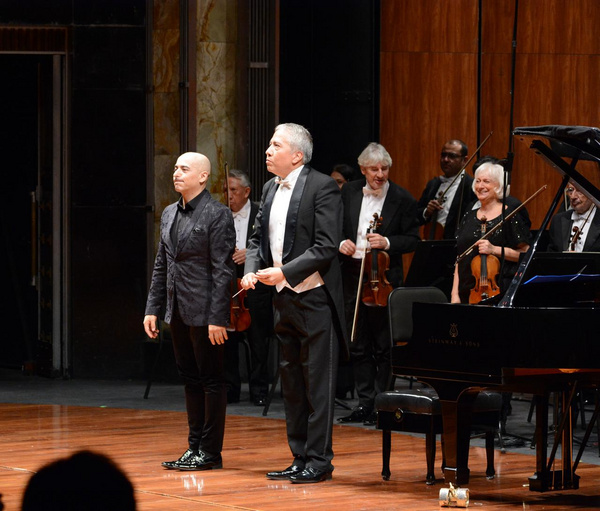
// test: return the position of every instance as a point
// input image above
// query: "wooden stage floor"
(138, 440)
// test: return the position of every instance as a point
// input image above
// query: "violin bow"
(360, 279)
(496, 227)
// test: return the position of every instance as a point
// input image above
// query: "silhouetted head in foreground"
(85, 480)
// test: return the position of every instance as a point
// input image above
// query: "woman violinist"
(513, 235)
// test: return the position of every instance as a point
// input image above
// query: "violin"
(377, 262)
(575, 238)
(433, 230)
(239, 314)
(485, 268)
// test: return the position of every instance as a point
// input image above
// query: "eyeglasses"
(451, 156)
(571, 191)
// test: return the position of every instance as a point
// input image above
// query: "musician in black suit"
(457, 192)
(258, 302)
(191, 279)
(398, 234)
(578, 229)
(294, 248)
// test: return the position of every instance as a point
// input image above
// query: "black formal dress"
(510, 235)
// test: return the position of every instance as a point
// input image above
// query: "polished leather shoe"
(285, 474)
(202, 461)
(359, 414)
(174, 465)
(371, 420)
(311, 475)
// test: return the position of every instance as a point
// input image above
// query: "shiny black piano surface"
(541, 337)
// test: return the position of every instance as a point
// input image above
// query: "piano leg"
(457, 435)
(540, 480)
(544, 478)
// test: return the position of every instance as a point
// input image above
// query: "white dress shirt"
(240, 221)
(448, 188)
(372, 202)
(582, 222)
(277, 221)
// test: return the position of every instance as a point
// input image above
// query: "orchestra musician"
(511, 201)
(258, 301)
(294, 248)
(457, 193)
(342, 173)
(578, 229)
(398, 234)
(191, 281)
(512, 238)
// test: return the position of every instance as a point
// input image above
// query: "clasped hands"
(268, 276)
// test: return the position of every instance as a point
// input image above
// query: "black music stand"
(433, 265)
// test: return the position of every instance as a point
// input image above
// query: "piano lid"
(574, 151)
(571, 150)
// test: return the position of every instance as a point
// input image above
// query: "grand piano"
(540, 339)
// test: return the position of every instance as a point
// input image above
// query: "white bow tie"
(368, 192)
(580, 216)
(283, 183)
(445, 179)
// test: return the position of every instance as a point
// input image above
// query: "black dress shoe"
(174, 465)
(359, 414)
(202, 461)
(285, 474)
(311, 475)
(371, 420)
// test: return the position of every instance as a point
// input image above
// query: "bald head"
(191, 174)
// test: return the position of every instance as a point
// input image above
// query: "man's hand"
(432, 205)
(150, 326)
(217, 334)
(377, 241)
(347, 247)
(270, 276)
(249, 280)
(239, 256)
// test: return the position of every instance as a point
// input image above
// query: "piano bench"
(420, 411)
